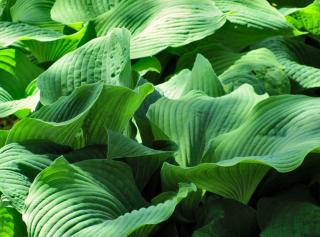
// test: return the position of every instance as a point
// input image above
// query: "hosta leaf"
(19, 165)
(12, 32)
(104, 59)
(45, 44)
(202, 78)
(34, 12)
(234, 181)
(92, 198)
(11, 224)
(52, 50)
(248, 21)
(217, 215)
(279, 133)
(296, 57)
(113, 110)
(143, 160)
(307, 18)
(140, 117)
(9, 106)
(120, 146)
(156, 25)
(16, 72)
(292, 214)
(95, 108)
(148, 64)
(57, 122)
(194, 119)
(71, 11)
(258, 68)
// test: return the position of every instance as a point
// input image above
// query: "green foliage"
(159, 118)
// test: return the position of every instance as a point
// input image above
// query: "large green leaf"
(279, 133)
(291, 214)
(104, 59)
(202, 78)
(44, 44)
(19, 165)
(72, 11)
(34, 12)
(300, 60)
(143, 160)
(92, 198)
(113, 110)
(259, 68)
(8, 105)
(95, 109)
(12, 32)
(57, 122)
(156, 25)
(16, 72)
(196, 118)
(307, 18)
(248, 21)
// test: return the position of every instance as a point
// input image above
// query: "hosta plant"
(159, 118)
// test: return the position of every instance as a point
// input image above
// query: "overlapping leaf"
(105, 59)
(279, 133)
(300, 61)
(100, 196)
(156, 25)
(196, 118)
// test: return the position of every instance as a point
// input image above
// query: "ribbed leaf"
(258, 68)
(59, 122)
(156, 24)
(71, 11)
(113, 110)
(19, 165)
(12, 32)
(143, 160)
(45, 44)
(202, 78)
(9, 106)
(291, 214)
(296, 57)
(52, 50)
(16, 72)
(248, 21)
(92, 198)
(279, 133)
(196, 118)
(34, 12)
(103, 59)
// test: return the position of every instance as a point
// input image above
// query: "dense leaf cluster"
(159, 118)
